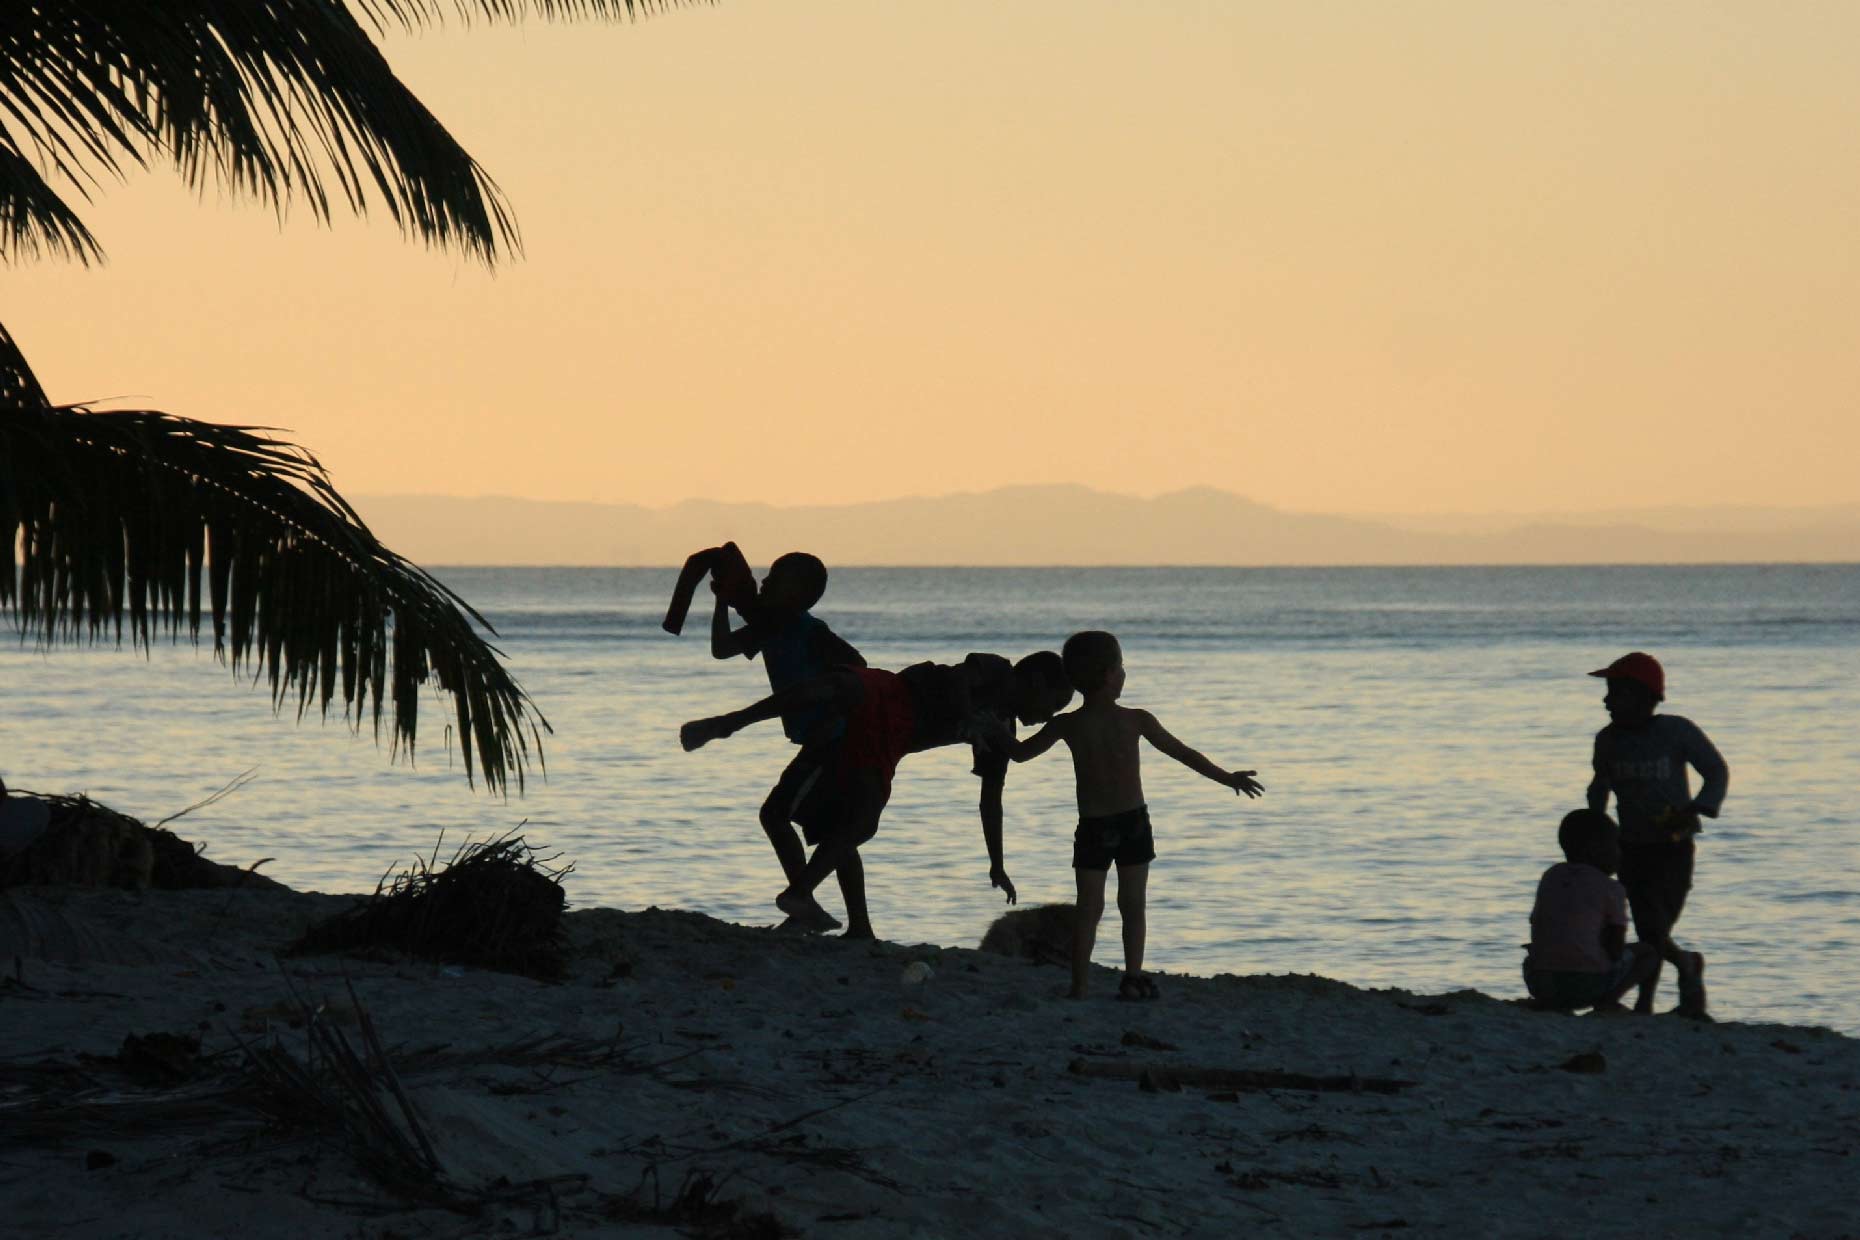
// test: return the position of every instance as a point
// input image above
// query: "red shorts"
(848, 803)
(879, 729)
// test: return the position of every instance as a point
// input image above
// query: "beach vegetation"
(497, 904)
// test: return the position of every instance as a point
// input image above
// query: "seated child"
(1578, 954)
(887, 715)
(795, 646)
(1114, 823)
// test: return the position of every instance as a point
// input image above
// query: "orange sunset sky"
(1346, 257)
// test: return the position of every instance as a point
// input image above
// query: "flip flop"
(1137, 988)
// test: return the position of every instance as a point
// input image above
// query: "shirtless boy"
(1114, 823)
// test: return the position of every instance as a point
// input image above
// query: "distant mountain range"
(1059, 525)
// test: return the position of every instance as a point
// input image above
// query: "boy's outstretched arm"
(998, 738)
(1159, 736)
(831, 689)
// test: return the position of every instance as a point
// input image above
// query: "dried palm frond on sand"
(495, 905)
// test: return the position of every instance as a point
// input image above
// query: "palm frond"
(34, 220)
(284, 101)
(19, 387)
(120, 519)
(413, 14)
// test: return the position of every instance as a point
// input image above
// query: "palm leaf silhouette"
(115, 519)
(121, 520)
(281, 101)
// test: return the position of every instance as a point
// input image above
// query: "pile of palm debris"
(495, 905)
(76, 842)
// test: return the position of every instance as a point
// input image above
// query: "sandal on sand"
(1137, 988)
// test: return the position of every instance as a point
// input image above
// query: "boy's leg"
(1085, 928)
(1639, 874)
(785, 840)
(877, 734)
(820, 806)
(851, 873)
(797, 899)
(1131, 882)
(1650, 983)
(1689, 965)
(778, 811)
(865, 797)
(1644, 964)
(1658, 878)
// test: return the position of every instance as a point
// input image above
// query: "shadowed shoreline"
(815, 1082)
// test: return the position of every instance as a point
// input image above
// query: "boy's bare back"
(1103, 736)
(1103, 739)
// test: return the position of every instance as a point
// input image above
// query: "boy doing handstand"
(1114, 822)
(886, 716)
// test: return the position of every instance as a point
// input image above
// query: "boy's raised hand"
(1243, 781)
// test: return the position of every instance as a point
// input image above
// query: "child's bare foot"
(1077, 992)
(859, 933)
(808, 923)
(1612, 1007)
(701, 732)
(803, 908)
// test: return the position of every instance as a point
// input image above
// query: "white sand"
(809, 1081)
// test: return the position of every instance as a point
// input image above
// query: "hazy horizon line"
(670, 566)
(1365, 514)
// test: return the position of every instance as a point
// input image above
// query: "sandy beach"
(711, 1079)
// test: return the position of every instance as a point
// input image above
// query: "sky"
(1336, 257)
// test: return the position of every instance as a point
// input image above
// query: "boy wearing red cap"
(1641, 757)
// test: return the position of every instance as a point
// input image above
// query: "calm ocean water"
(1420, 731)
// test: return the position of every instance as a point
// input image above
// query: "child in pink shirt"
(1578, 951)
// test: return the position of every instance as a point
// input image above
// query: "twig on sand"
(789, 1149)
(1174, 1076)
(334, 1088)
(233, 785)
(699, 1208)
(832, 1106)
(372, 1040)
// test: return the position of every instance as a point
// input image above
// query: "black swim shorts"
(1567, 991)
(828, 799)
(1113, 839)
(1657, 877)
